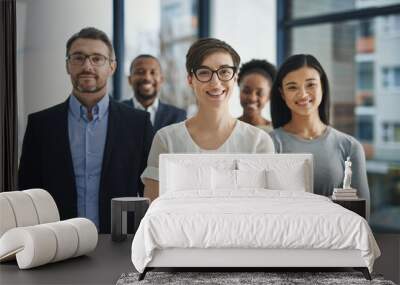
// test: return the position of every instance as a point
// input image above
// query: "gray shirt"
(330, 151)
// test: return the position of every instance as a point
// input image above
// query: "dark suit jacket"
(46, 160)
(165, 116)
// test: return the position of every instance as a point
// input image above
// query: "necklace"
(317, 134)
(309, 137)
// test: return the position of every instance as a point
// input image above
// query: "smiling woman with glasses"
(205, 74)
(211, 65)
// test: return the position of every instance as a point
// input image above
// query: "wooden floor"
(110, 260)
(102, 266)
(389, 262)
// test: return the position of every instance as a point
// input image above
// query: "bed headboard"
(286, 169)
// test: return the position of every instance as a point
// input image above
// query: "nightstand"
(119, 208)
(358, 206)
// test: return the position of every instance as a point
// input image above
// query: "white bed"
(241, 210)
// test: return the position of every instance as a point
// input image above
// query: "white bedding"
(251, 218)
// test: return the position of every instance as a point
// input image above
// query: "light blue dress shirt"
(87, 140)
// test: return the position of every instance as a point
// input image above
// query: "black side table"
(358, 205)
(119, 208)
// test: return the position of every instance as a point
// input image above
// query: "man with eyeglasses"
(88, 149)
(146, 80)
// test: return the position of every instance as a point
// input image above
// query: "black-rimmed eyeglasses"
(95, 59)
(205, 74)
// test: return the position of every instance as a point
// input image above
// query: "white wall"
(250, 28)
(43, 28)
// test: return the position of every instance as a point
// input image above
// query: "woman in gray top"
(300, 115)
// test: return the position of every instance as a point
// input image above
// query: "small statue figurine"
(347, 174)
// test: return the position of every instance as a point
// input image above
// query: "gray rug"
(230, 278)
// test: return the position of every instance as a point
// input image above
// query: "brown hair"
(93, 34)
(201, 48)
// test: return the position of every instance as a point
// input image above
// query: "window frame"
(285, 23)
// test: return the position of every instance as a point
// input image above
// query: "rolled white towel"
(67, 240)
(23, 208)
(32, 246)
(7, 218)
(45, 205)
(87, 235)
(26, 208)
(40, 244)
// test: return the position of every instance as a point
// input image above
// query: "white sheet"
(252, 218)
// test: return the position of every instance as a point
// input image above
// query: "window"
(396, 132)
(307, 8)
(342, 46)
(385, 132)
(365, 128)
(391, 132)
(365, 29)
(397, 76)
(391, 77)
(365, 72)
(179, 29)
(164, 29)
(141, 36)
(365, 36)
(385, 77)
(391, 25)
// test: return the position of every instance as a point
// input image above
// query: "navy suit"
(46, 160)
(165, 115)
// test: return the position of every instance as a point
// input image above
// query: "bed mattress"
(250, 219)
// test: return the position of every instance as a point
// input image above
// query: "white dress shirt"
(152, 109)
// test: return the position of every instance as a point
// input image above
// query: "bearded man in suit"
(88, 149)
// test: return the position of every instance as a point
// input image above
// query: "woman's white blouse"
(175, 138)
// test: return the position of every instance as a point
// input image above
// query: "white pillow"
(251, 178)
(282, 174)
(188, 177)
(293, 180)
(227, 179)
(223, 179)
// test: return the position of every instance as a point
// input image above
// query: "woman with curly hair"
(255, 81)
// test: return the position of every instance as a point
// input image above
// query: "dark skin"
(146, 80)
(254, 94)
